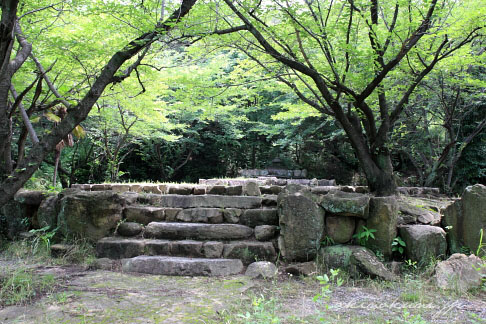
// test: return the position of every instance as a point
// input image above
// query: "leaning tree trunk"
(31, 163)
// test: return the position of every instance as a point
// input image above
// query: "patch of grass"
(24, 250)
(82, 252)
(408, 318)
(22, 285)
(30, 251)
(410, 296)
(63, 297)
(475, 319)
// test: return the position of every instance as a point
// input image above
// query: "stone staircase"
(195, 235)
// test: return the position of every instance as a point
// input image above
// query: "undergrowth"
(22, 285)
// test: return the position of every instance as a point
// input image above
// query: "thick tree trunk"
(7, 68)
(380, 175)
(377, 166)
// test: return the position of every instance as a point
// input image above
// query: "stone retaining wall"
(307, 216)
(244, 187)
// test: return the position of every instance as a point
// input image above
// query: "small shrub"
(398, 245)
(364, 234)
(325, 282)
(263, 311)
(411, 265)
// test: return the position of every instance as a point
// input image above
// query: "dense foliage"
(358, 91)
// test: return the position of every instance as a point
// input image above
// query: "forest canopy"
(382, 93)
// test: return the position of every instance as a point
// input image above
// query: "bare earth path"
(112, 297)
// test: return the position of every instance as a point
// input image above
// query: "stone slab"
(197, 231)
(177, 266)
(208, 201)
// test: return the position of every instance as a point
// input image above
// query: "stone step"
(205, 201)
(198, 231)
(249, 217)
(247, 251)
(177, 266)
(147, 214)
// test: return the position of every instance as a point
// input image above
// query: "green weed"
(398, 245)
(264, 311)
(364, 235)
(22, 285)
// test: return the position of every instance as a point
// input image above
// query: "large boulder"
(452, 222)
(474, 215)
(423, 242)
(383, 216)
(465, 218)
(357, 260)
(16, 218)
(89, 214)
(20, 213)
(345, 204)
(363, 261)
(417, 214)
(340, 228)
(460, 272)
(301, 224)
(47, 212)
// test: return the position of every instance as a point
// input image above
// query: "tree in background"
(357, 61)
(451, 116)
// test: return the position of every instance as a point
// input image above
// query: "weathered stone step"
(208, 201)
(249, 217)
(247, 251)
(197, 231)
(147, 214)
(177, 266)
(119, 248)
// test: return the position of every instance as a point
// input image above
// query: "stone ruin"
(219, 226)
(275, 169)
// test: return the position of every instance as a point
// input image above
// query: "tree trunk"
(31, 163)
(377, 166)
(6, 164)
(380, 178)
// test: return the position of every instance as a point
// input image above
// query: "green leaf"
(52, 117)
(79, 132)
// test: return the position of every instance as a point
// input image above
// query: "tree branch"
(407, 45)
(26, 49)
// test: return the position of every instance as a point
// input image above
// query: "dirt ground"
(89, 296)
